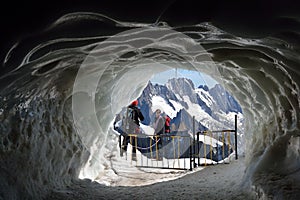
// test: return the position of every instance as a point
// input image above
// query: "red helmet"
(135, 103)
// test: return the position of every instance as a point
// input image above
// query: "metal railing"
(182, 150)
(221, 145)
(159, 151)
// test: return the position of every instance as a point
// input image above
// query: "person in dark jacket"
(135, 113)
(132, 126)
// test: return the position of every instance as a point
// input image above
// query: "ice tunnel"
(57, 104)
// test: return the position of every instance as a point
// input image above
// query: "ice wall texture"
(61, 91)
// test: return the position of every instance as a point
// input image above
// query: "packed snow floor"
(222, 181)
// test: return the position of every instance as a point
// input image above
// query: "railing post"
(191, 166)
(198, 145)
(120, 145)
(235, 137)
(194, 142)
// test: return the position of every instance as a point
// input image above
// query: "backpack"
(131, 113)
(167, 124)
(128, 120)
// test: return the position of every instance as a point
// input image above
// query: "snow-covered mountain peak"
(181, 86)
(179, 99)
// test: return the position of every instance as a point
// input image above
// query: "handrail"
(219, 140)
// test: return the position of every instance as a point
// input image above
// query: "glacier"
(57, 104)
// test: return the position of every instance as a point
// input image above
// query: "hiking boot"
(159, 158)
(133, 157)
(122, 151)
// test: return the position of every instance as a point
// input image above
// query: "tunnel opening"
(167, 91)
(130, 85)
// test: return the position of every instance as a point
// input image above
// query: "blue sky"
(197, 77)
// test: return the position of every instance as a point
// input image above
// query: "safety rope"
(145, 148)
